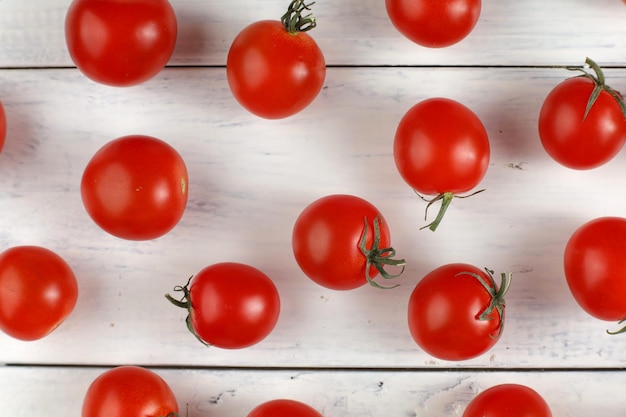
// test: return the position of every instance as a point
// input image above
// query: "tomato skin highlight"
(233, 305)
(441, 146)
(434, 23)
(444, 313)
(595, 269)
(129, 391)
(120, 43)
(508, 400)
(272, 73)
(38, 291)
(576, 141)
(284, 408)
(3, 126)
(135, 187)
(326, 237)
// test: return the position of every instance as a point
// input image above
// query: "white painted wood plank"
(250, 178)
(36, 392)
(351, 32)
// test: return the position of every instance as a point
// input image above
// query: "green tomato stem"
(378, 257)
(294, 21)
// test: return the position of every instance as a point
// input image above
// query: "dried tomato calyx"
(294, 21)
(446, 199)
(185, 302)
(599, 86)
(497, 294)
(378, 257)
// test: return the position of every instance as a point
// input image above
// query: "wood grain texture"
(351, 32)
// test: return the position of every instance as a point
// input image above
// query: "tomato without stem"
(38, 291)
(120, 42)
(3, 126)
(441, 148)
(508, 400)
(582, 122)
(274, 68)
(231, 305)
(129, 391)
(434, 23)
(595, 270)
(456, 312)
(284, 408)
(342, 242)
(135, 187)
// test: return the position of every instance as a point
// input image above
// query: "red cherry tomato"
(275, 69)
(129, 391)
(582, 122)
(456, 312)
(595, 269)
(342, 242)
(284, 408)
(231, 305)
(135, 187)
(441, 148)
(38, 291)
(3, 126)
(434, 24)
(120, 42)
(508, 400)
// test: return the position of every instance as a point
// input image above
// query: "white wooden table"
(347, 354)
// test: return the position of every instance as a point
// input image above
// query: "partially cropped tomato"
(129, 391)
(3, 126)
(230, 305)
(456, 311)
(508, 400)
(274, 68)
(595, 269)
(434, 23)
(38, 291)
(135, 187)
(441, 148)
(284, 408)
(342, 242)
(582, 122)
(120, 42)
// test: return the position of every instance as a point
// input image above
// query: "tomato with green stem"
(284, 408)
(434, 24)
(120, 42)
(135, 187)
(274, 68)
(441, 148)
(129, 391)
(38, 291)
(456, 311)
(230, 305)
(595, 270)
(508, 400)
(582, 122)
(342, 242)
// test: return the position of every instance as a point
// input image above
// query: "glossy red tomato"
(595, 269)
(120, 42)
(129, 391)
(434, 23)
(275, 69)
(508, 400)
(284, 408)
(231, 305)
(342, 242)
(3, 126)
(456, 312)
(135, 187)
(578, 129)
(38, 291)
(441, 148)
